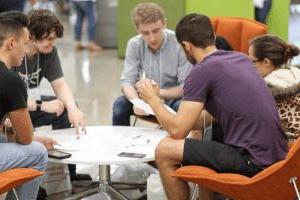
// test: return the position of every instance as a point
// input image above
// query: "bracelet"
(38, 105)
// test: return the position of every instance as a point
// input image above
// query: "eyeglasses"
(256, 60)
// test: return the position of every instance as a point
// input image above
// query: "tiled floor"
(93, 78)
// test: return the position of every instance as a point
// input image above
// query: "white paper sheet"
(139, 103)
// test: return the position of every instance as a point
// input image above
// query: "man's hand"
(138, 111)
(148, 90)
(76, 118)
(46, 141)
(54, 106)
(8, 130)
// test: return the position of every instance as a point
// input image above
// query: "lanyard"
(37, 70)
(159, 69)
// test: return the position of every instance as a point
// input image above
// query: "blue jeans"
(123, 108)
(14, 155)
(40, 118)
(85, 9)
(262, 13)
(12, 5)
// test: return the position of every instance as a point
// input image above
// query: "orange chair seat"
(14, 177)
(273, 183)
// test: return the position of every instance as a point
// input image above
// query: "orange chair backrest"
(290, 164)
(294, 149)
(238, 31)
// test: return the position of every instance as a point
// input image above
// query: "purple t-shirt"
(236, 95)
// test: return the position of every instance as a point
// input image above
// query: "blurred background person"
(262, 9)
(8, 5)
(85, 9)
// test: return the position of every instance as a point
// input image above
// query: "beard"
(190, 57)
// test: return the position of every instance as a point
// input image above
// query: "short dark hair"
(12, 23)
(42, 23)
(196, 29)
(273, 48)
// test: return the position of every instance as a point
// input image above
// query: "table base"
(105, 191)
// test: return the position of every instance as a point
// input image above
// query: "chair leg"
(16, 194)
(194, 194)
(293, 181)
(135, 120)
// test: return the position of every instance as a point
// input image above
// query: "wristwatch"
(38, 105)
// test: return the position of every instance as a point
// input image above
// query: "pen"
(132, 145)
(136, 137)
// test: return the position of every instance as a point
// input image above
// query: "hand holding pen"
(148, 90)
(142, 75)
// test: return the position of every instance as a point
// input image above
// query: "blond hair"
(145, 13)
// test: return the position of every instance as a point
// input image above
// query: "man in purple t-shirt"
(227, 85)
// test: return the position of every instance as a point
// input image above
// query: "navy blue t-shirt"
(237, 96)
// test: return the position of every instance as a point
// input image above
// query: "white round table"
(101, 146)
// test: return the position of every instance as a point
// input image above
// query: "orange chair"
(238, 31)
(277, 182)
(13, 178)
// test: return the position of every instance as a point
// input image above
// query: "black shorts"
(219, 157)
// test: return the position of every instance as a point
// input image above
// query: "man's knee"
(65, 118)
(41, 155)
(162, 150)
(121, 106)
(169, 151)
(61, 121)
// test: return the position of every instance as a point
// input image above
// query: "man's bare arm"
(22, 125)
(179, 125)
(171, 93)
(130, 92)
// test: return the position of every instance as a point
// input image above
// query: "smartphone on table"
(131, 155)
(57, 154)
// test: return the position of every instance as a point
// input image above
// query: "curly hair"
(42, 23)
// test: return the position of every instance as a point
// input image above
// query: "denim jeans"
(262, 13)
(123, 108)
(85, 9)
(41, 118)
(15, 155)
(12, 5)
